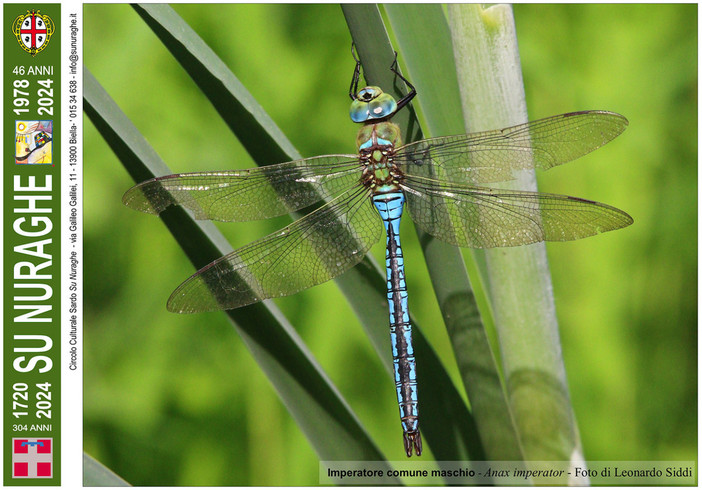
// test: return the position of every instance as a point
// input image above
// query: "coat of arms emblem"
(33, 31)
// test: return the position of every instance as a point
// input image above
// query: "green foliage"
(160, 388)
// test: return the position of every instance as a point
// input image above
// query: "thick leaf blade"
(96, 474)
(424, 39)
(490, 79)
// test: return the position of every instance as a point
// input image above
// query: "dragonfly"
(440, 180)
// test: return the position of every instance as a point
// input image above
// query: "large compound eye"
(372, 103)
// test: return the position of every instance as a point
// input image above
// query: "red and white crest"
(33, 31)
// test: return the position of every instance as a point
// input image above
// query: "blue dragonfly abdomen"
(383, 178)
(390, 207)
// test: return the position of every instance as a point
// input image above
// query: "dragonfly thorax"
(378, 134)
(376, 146)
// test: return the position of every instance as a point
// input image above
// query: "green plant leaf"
(95, 474)
(261, 137)
(490, 80)
(424, 40)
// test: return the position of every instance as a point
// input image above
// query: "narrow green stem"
(492, 92)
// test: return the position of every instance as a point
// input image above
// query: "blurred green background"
(177, 400)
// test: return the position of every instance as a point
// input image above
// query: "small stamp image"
(33, 142)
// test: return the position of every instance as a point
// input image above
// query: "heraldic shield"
(33, 31)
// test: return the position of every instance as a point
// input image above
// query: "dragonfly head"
(371, 103)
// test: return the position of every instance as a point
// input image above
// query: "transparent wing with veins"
(251, 194)
(495, 156)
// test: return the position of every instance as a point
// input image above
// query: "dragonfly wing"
(495, 156)
(251, 194)
(310, 251)
(479, 217)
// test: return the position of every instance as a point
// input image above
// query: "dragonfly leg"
(356, 73)
(413, 91)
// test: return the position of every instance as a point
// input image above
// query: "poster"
(586, 374)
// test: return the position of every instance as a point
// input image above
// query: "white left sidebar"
(72, 244)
